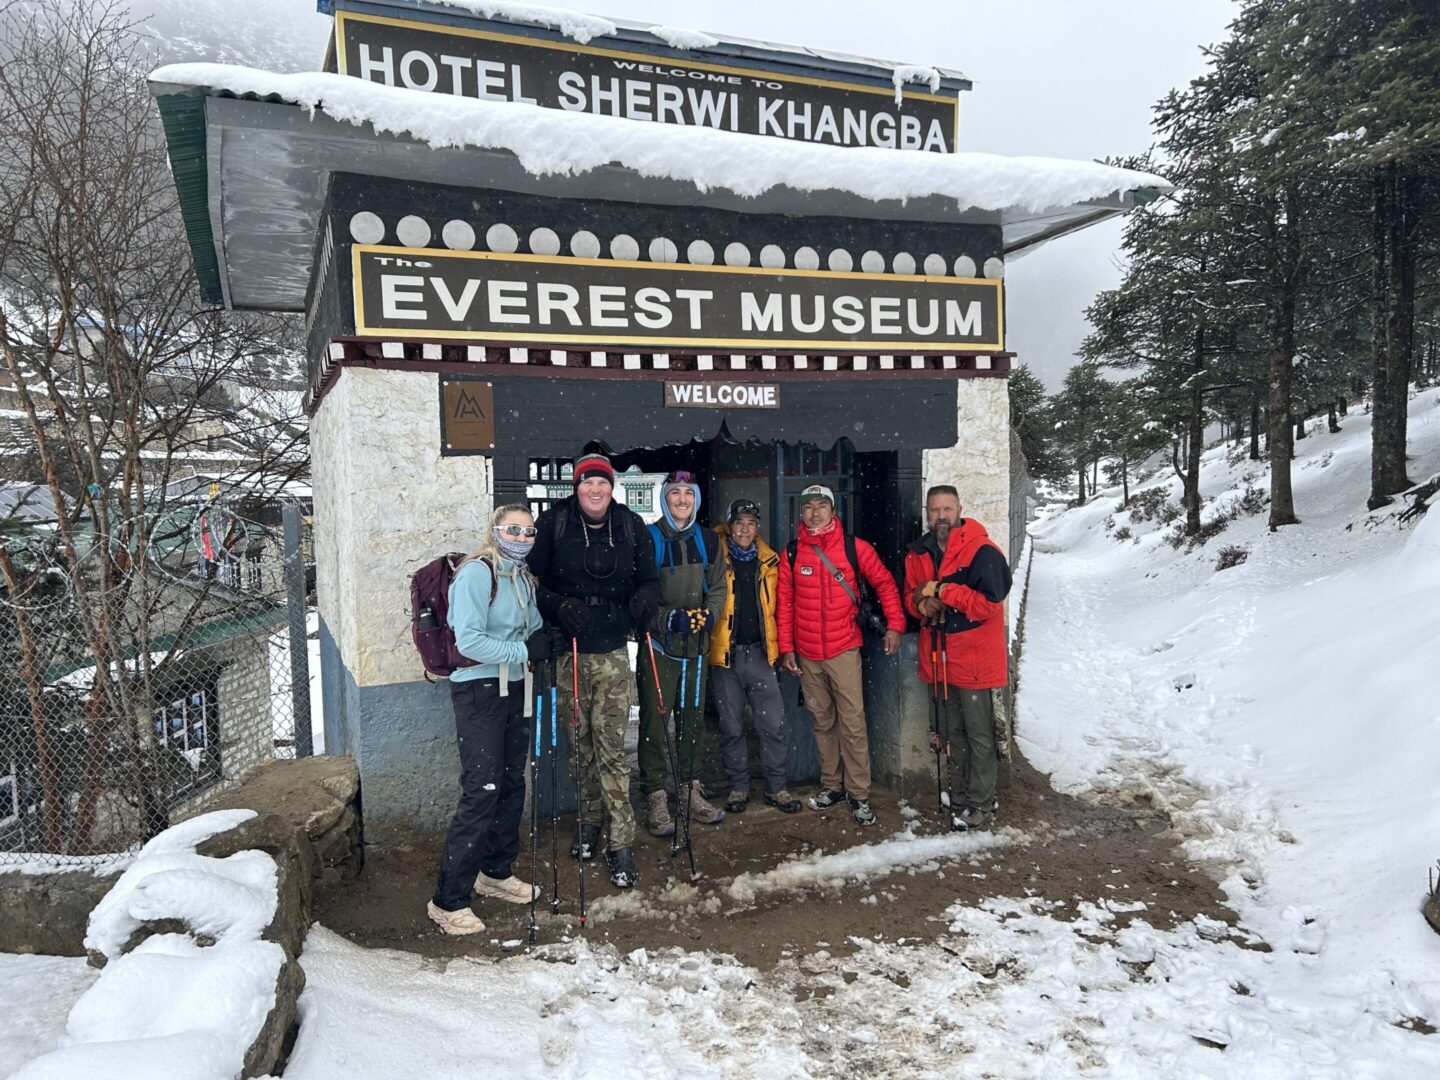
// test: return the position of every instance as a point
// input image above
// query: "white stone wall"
(386, 503)
(979, 462)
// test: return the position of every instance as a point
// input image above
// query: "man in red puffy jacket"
(956, 582)
(815, 617)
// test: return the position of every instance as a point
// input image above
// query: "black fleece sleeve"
(539, 561)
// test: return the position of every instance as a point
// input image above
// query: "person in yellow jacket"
(743, 651)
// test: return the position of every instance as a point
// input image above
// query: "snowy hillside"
(1283, 711)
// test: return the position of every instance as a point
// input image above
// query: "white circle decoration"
(772, 257)
(585, 245)
(806, 258)
(624, 248)
(367, 228)
(501, 238)
(872, 262)
(413, 231)
(458, 235)
(904, 263)
(700, 253)
(965, 267)
(935, 265)
(737, 254)
(841, 261)
(994, 268)
(663, 250)
(544, 241)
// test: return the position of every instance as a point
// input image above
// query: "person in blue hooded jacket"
(693, 588)
(497, 625)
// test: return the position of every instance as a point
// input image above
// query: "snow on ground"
(36, 993)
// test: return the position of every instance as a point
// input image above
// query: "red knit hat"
(593, 465)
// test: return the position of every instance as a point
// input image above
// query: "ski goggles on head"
(681, 476)
(517, 530)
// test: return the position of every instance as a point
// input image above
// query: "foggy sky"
(1054, 78)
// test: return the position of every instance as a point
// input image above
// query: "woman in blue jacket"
(496, 624)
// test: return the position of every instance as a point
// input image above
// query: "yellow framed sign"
(541, 299)
(496, 66)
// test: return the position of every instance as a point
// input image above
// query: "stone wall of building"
(386, 503)
(979, 462)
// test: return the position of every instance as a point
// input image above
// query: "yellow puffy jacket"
(767, 583)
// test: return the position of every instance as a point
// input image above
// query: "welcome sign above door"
(562, 74)
(425, 292)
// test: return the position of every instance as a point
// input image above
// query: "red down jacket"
(977, 581)
(813, 614)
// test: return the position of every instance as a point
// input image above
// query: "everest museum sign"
(568, 301)
(495, 66)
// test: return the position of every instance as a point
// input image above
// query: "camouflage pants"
(604, 781)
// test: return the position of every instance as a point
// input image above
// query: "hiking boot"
(862, 813)
(585, 844)
(702, 811)
(783, 801)
(511, 889)
(971, 818)
(736, 802)
(622, 868)
(455, 923)
(657, 814)
(826, 799)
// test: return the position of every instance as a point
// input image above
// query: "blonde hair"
(488, 548)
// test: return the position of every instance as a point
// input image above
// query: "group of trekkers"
(561, 598)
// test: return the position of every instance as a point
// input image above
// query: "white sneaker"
(511, 889)
(454, 923)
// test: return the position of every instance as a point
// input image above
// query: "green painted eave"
(200, 636)
(183, 115)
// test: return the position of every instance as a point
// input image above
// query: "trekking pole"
(684, 803)
(935, 717)
(535, 812)
(579, 800)
(554, 791)
(655, 672)
(944, 689)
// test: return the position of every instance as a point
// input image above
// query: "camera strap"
(837, 575)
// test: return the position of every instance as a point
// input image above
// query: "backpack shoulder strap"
(494, 577)
(854, 556)
(657, 540)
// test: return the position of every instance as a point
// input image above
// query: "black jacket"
(621, 562)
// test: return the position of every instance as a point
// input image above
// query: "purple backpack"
(430, 615)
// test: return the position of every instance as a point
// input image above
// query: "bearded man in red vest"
(956, 582)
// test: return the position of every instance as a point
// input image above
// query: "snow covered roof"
(270, 142)
(584, 29)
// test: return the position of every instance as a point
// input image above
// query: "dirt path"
(1065, 850)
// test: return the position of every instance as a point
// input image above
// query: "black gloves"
(678, 621)
(540, 646)
(574, 615)
(643, 607)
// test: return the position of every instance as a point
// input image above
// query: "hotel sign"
(445, 59)
(573, 302)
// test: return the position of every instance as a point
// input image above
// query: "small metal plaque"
(467, 416)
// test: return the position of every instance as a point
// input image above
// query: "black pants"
(484, 837)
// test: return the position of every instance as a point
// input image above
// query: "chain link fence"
(127, 700)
